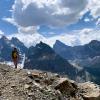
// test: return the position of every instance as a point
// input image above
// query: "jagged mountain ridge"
(89, 50)
(43, 57)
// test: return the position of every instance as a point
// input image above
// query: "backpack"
(14, 54)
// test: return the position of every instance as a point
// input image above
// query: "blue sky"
(48, 19)
(5, 6)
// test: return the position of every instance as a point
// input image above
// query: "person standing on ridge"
(15, 56)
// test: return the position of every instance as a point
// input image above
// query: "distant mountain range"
(77, 52)
(80, 63)
(43, 57)
(86, 56)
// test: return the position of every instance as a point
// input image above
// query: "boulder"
(34, 74)
(90, 91)
(65, 86)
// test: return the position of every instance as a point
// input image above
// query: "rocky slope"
(23, 84)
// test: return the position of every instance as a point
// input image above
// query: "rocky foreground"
(23, 84)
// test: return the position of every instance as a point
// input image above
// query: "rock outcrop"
(23, 84)
(90, 91)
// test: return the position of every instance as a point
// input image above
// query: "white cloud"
(75, 38)
(94, 6)
(28, 30)
(28, 15)
(28, 35)
(86, 35)
(28, 39)
(1, 32)
(10, 20)
(65, 38)
(53, 13)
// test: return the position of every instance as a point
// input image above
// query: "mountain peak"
(14, 39)
(59, 43)
(42, 45)
(94, 42)
(4, 38)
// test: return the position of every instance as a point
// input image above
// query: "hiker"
(15, 57)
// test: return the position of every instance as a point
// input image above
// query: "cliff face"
(23, 84)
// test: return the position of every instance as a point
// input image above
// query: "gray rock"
(17, 85)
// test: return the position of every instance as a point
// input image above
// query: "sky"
(73, 22)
